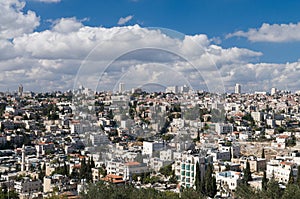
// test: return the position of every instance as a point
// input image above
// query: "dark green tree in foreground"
(273, 190)
(110, 191)
(198, 178)
(291, 177)
(247, 173)
(210, 182)
(263, 153)
(292, 191)
(298, 176)
(264, 181)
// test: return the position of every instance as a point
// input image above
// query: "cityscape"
(149, 99)
(58, 144)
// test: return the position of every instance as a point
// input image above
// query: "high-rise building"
(185, 167)
(273, 91)
(121, 87)
(172, 89)
(237, 89)
(20, 89)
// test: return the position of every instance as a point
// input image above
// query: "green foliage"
(291, 192)
(167, 137)
(198, 178)
(151, 180)
(62, 170)
(264, 181)
(110, 115)
(206, 186)
(244, 191)
(86, 170)
(247, 173)
(42, 172)
(166, 170)
(263, 153)
(291, 177)
(248, 117)
(291, 142)
(144, 177)
(273, 190)
(210, 182)
(202, 112)
(227, 167)
(298, 176)
(101, 190)
(12, 195)
(191, 194)
(280, 129)
(176, 108)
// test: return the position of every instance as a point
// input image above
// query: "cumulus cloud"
(271, 33)
(57, 53)
(67, 25)
(14, 22)
(70, 53)
(124, 20)
(262, 76)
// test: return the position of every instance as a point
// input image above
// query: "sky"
(48, 45)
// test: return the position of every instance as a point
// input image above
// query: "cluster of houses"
(47, 138)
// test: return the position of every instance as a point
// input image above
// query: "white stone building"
(150, 147)
(222, 128)
(280, 170)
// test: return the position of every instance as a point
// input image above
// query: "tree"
(244, 191)
(166, 170)
(65, 169)
(227, 167)
(298, 176)
(42, 172)
(291, 142)
(291, 177)
(263, 153)
(83, 169)
(230, 154)
(198, 135)
(210, 182)
(292, 191)
(88, 171)
(247, 173)
(264, 181)
(92, 162)
(198, 178)
(191, 194)
(273, 190)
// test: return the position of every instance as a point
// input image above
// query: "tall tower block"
(23, 158)
(237, 89)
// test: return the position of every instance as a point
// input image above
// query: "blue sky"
(215, 18)
(252, 42)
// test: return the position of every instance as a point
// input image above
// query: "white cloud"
(124, 20)
(263, 76)
(58, 53)
(14, 22)
(51, 59)
(67, 25)
(271, 33)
